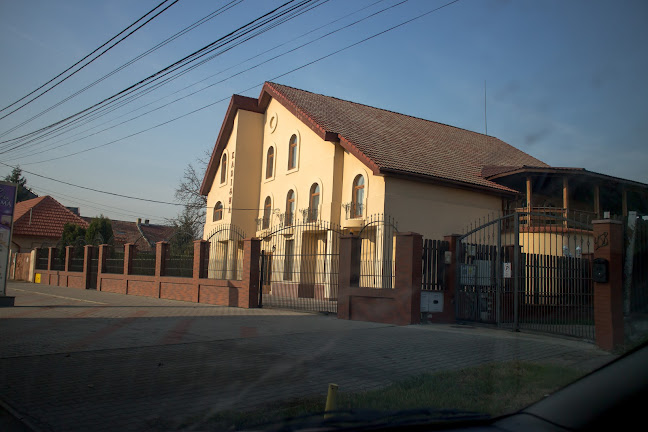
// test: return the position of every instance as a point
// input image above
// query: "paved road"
(78, 360)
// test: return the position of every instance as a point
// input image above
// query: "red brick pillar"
(88, 250)
(409, 253)
(449, 293)
(348, 273)
(161, 252)
(101, 266)
(129, 254)
(50, 257)
(201, 254)
(68, 257)
(608, 296)
(249, 293)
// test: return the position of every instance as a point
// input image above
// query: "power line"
(221, 100)
(83, 66)
(178, 64)
(345, 27)
(130, 62)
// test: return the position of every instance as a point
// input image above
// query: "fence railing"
(114, 261)
(179, 265)
(377, 248)
(42, 258)
(433, 276)
(639, 278)
(76, 259)
(225, 257)
(547, 217)
(143, 264)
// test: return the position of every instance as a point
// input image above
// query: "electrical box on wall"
(431, 301)
(600, 270)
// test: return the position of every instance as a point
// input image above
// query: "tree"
(99, 231)
(192, 217)
(181, 243)
(72, 236)
(16, 177)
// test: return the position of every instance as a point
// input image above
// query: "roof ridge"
(386, 110)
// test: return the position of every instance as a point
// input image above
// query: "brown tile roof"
(43, 217)
(143, 236)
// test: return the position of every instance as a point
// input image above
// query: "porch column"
(529, 189)
(597, 201)
(565, 199)
(328, 262)
(624, 202)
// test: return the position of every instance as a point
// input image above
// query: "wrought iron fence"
(639, 275)
(225, 258)
(179, 265)
(536, 279)
(299, 266)
(76, 259)
(114, 262)
(58, 260)
(143, 263)
(42, 257)
(353, 210)
(377, 247)
(433, 276)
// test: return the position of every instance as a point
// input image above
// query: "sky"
(564, 81)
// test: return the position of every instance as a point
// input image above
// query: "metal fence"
(76, 259)
(299, 266)
(534, 277)
(143, 263)
(114, 261)
(225, 258)
(433, 276)
(377, 247)
(42, 257)
(179, 265)
(638, 267)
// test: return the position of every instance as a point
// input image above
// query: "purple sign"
(7, 204)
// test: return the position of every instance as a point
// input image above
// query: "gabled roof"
(43, 217)
(142, 235)
(385, 141)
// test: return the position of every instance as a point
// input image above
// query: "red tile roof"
(387, 142)
(144, 236)
(43, 217)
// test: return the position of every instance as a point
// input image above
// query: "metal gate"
(93, 271)
(528, 270)
(299, 266)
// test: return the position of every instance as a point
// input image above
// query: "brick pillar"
(348, 273)
(409, 251)
(449, 293)
(68, 257)
(88, 250)
(129, 254)
(161, 251)
(50, 257)
(608, 297)
(201, 252)
(103, 254)
(249, 293)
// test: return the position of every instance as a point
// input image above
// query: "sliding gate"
(530, 271)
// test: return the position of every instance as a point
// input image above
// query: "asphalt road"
(79, 360)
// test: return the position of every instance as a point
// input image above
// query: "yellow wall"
(374, 196)
(551, 243)
(435, 211)
(316, 163)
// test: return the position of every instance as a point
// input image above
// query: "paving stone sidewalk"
(78, 360)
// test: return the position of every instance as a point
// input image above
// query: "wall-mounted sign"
(7, 204)
(507, 270)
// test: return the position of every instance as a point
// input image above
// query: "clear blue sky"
(566, 82)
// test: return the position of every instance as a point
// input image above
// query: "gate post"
(348, 273)
(87, 256)
(450, 291)
(200, 253)
(608, 296)
(129, 254)
(249, 295)
(409, 250)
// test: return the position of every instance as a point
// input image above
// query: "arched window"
(224, 168)
(218, 211)
(313, 204)
(357, 197)
(290, 207)
(292, 152)
(269, 162)
(267, 208)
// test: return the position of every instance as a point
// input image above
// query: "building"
(291, 158)
(39, 222)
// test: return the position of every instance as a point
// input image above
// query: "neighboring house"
(39, 222)
(299, 156)
(143, 235)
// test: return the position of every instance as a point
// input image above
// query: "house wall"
(27, 243)
(317, 162)
(374, 197)
(435, 211)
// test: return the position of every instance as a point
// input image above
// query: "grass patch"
(494, 389)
